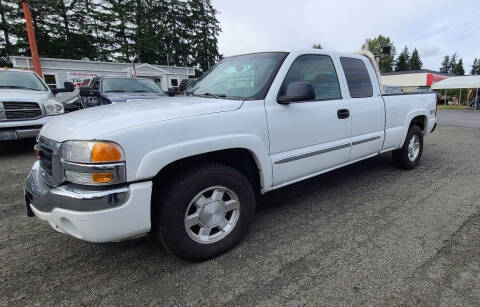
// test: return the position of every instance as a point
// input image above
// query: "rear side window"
(319, 71)
(358, 79)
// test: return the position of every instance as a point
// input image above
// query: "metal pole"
(459, 99)
(445, 100)
(476, 100)
(31, 39)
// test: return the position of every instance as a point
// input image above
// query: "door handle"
(343, 113)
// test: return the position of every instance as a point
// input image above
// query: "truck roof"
(308, 51)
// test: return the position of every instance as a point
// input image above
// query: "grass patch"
(448, 107)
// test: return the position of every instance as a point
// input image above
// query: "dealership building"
(57, 71)
(414, 80)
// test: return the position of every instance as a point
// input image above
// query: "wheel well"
(420, 121)
(238, 158)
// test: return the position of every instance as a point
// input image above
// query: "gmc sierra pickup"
(188, 169)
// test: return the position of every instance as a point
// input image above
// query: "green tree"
(376, 45)
(10, 24)
(459, 70)
(475, 67)
(445, 65)
(317, 46)
(415, 62)
(174, 32)
(403, 60)
(204, 34)
(452, 64)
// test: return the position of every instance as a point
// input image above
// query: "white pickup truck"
(27, 103)
(188, 169)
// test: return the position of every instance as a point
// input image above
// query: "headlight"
(53, 108)
(93, 163)
(92, 152)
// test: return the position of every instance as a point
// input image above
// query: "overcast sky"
(435, 28)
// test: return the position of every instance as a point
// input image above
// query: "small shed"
(56, 71)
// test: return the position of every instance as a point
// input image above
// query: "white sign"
(78, 77)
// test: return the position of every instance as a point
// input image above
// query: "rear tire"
(410, 154)
(204, 212)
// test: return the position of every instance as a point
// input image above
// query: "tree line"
(165, 32)
(406, 61)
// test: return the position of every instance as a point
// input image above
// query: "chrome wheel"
(212, 214)
(413, 148)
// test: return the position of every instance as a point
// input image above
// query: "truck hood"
(23, 95)
(93, 123)
(122, 97)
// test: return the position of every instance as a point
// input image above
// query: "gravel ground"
(366, 234)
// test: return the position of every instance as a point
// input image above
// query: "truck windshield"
(240, 77)
(21, 80)
(130, 85)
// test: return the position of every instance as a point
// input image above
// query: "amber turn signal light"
(105, 152)
(102, 177)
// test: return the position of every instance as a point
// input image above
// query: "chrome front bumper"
(71, 197)
(91, 214)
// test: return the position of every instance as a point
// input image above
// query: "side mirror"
(171, 92)
(296, 92)
(68, 86)
(89, 92)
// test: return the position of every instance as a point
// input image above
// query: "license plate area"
(8, 135)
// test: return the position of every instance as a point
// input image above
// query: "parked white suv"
(27, 103)
(188, 169)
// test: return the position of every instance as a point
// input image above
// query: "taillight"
(436, 107)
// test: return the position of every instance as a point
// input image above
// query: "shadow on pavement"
(17, 146)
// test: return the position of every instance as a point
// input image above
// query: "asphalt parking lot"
(459, 118)
(366, 234)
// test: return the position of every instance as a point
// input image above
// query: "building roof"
(421, 71)
(85, 65)
(458, 82)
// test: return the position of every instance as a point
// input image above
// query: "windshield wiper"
(20, 87)
(216, 96)
(115, 91)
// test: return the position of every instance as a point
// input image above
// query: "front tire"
(410, 154)
(204, 212)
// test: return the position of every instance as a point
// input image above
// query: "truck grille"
(21, 110)
(48, 151)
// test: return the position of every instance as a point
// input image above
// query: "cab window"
(358, 79)
(319, 71)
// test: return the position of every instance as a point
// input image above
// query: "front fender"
(156, 160)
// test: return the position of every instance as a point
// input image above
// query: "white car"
(27, 103)
(188, 169)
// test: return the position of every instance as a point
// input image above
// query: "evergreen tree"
(317, 46)
(376, 45)
(452, 64)
(174, 32)
(9, 28)
(119, 16)
(459, 70)
(445, 65)
(402, 63)
(205, 30)
(415, 62)
(475, 67)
